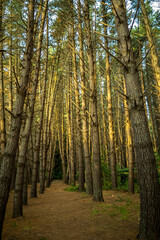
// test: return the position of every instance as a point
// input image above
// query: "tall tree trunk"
(12, 142)
(78, 117)
(71, 127)
(85, 135)
(2, 108)
(97, 184)
(18, 192)
(146, 164)
(129, 146)
(104, 130)
(154, 55)
(110, 112)
(38, 135)
(43, 160)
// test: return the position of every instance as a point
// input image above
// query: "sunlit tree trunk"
(18, 192)
(78, 117)
(97, 184)
(145, 159)
(85, 135)
(110, 112)
(2, 108)
(104, 129)
(43, 160)
(129, 146)
(70, 126)
(154, 55)
(38, 133)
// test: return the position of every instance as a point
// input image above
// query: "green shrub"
(71, 189)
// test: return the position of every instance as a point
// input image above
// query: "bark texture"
(97, 184)
(12, 143)
(146, 164)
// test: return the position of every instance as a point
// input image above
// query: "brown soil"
(63, 215)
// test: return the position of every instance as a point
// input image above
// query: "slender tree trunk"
(18, 192)
(104, 130)
(129, 143)
(146, 164)
(25, 185)
(154, 55)
(2, 108)
(78, 118)
(97, 183)
(43, 161)
(38, 135)
(85, 135)
(71, 127)
(12, 143)
(110, 112)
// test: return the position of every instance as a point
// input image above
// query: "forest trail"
(63, 215)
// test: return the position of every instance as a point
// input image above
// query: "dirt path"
(62, 215)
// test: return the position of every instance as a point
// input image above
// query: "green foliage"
(72, 189)
(106, 176)
(122, 178)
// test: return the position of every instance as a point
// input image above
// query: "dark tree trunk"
(12, 143)
(145, 159)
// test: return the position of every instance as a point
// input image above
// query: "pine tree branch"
(111, 53)
(144, 57)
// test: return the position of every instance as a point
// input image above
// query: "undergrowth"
(72, 189)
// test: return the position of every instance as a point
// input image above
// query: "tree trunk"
(78, 117)
(12, 143)
(129, 146)
(146, 164)
(97, 184)
(110, 112)
(85, 135)
(38, 136)
(154, 55)
(2, 108)
(18, 193)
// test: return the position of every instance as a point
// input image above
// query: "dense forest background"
(80, 100)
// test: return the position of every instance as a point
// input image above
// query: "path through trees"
(60, 214)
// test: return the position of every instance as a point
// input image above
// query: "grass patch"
(119, 211)
(14, 224)
(84, 195)
(71, 189)
(95, 212)
(120, 199)
(26, 228)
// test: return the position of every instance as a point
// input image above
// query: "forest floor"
(63, 215)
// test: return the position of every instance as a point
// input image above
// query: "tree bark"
(2, 108)
(154, 55)
(110, 112)
(38, 135)
(97, 184)
(12, 143)
(146, 164)
(85, 135)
